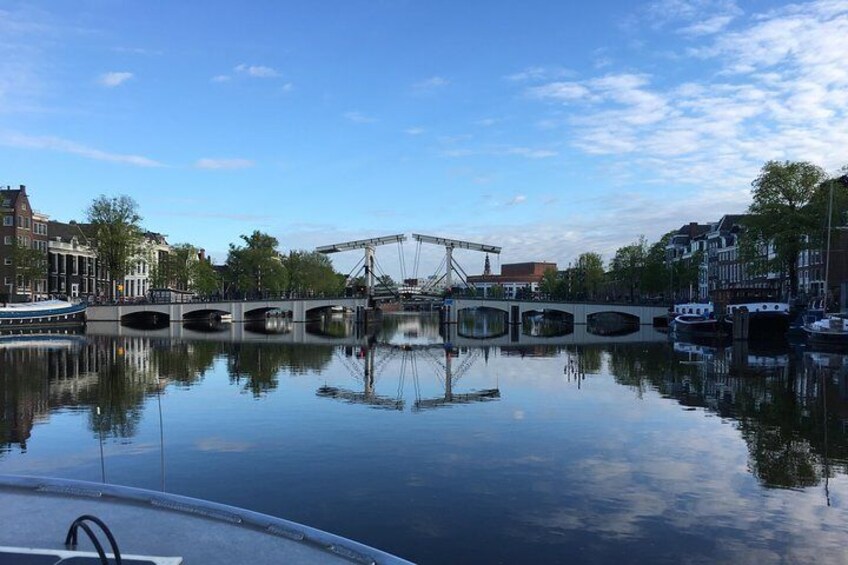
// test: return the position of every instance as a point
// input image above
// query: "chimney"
(201, 254)
(23, 188)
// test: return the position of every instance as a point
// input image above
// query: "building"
(143, 267)
(73, 268)
(516, 279)
(20, 225)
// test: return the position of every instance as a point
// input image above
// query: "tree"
(655, 277)
(312, 272)
(256, 266)
(205, 279)
(551, 283)
(781, 217)
(117, 234)
(590, 266)
(30, 266)
(628, 263)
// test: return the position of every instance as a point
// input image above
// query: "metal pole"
(827, 256)
(449, 266)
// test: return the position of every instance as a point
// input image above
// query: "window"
(8, 220)
(7, 261)
(27, 223)
(7, 240)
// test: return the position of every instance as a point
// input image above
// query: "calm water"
(571, 448)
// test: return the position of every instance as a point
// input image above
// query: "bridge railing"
(536, 299)
(218, 298)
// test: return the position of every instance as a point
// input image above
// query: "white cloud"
(113, 79)
(531, 153)
(517, 199)
(779, 91)
(220, 164)
(431, 83)
(535, 74)
(359, 117)
(414, 131)
(256, 71)
(221, 78)
(12, 139)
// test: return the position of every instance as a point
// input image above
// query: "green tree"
(628, 264)
(781, 217)
(551, 284)
(655, 276)
(115, 228)
(30, 266)
(590, 266)
(205, 279)
(310, 272)
(496, 291)
(256, 266)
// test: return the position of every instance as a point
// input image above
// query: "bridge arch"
(267, 312)
(547, 322)
(146, 319)
(482, 322)
(612, 323)
(208, 315)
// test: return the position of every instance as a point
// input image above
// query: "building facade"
(517, 280)
(73, 267)
(20, 225)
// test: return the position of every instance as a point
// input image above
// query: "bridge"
(299, 310)
(296, 334)
(579, 312)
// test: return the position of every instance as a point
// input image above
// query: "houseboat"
(43, 314)
(696, 319)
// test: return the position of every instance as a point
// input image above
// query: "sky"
(547, 128)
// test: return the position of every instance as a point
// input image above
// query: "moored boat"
(765, 318)
(46, 314)
(829, 331)
(696, 319)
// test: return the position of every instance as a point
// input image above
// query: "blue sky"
(548, 128)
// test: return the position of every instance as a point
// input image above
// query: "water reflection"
(543, 448)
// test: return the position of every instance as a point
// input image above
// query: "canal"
(561, 447)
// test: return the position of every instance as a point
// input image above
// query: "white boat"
(832, 330)
(697, 319)
(47, 313)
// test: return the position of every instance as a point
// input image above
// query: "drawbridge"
(370, 278)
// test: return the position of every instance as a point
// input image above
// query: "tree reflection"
(785, 406)
(258, 365)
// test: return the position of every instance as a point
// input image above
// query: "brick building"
(19, 225)
(515, 278)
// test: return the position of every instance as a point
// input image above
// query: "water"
(571, 448)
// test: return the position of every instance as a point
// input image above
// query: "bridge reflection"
(367, 364)
(344, 331)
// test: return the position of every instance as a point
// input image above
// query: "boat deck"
(37, 513)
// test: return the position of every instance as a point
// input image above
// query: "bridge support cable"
(450, 244)
(368, 245)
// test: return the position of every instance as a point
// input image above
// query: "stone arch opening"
(146, 320)
(612, 323)
(482, 322)
(547, 322)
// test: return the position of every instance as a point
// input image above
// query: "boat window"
(698, 311)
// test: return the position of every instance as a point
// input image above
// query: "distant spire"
(487, 268)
